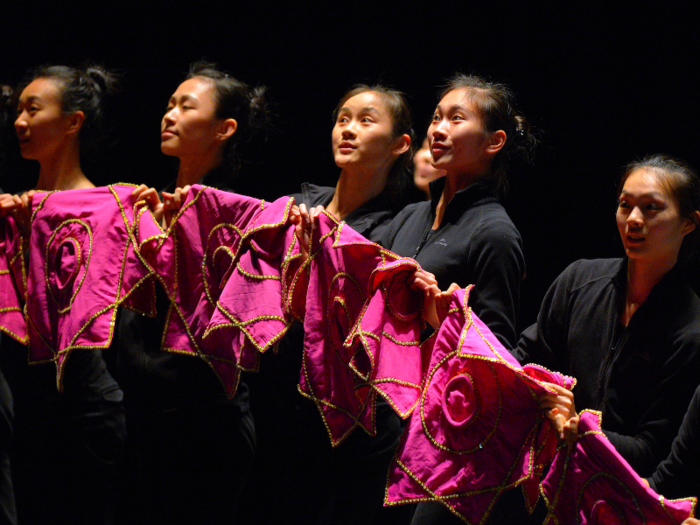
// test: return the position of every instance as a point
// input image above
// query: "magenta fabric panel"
(593, 484)
(193, 259)
(477, 430)
(388, 330)
(219, 263)
(13, 281)
(340, 268)
(250, 312)
(82, 267)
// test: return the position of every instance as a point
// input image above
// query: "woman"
(66, 445)
(191, 448)
(463, 235)
(629, 329)
(371, 144)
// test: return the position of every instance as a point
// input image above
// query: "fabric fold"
(355, 291)
(593, 484)
(477, 430)
(13, 281)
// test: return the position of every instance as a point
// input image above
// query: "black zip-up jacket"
(641, 377)
(476, 243)
(369, 220)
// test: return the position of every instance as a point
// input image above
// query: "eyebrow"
(366, 109)
(653, 194)
(31, 98)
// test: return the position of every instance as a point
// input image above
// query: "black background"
(606, 84)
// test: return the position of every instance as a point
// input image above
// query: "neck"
(354, 189)
(192, 169)
(63, 172)
(453, 184)
(642, 276)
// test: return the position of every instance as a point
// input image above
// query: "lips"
(346, 147)
(438, 148)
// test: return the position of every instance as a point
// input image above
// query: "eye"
(367, 119)
(187, 107)
(623, 204)
(457, 116)
(342, 119)
(436, 118)
(653, 207)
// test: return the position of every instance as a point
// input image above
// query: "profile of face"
(41, 125)
(189, 126)
(649, 220)
(459, 142)
(423, 171)
(363, 134)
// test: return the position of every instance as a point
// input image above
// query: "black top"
(678, 476)
(641, 377)
(369, 220)
(476, 243)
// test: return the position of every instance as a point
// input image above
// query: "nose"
(438, 129)
(169, 117)
(349, 131)
(636, 218)
(20, 123)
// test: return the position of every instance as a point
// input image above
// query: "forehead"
(458, 97)
(643, 181)
(197, 87)
(44, 89)
(367, 99)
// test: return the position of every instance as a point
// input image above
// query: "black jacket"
(476, 243)
(678, 475)
(641, 377)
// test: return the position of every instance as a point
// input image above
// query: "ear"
(228, 127)
(691, 223)
(496, 142)
(75, 122)
(402, 144)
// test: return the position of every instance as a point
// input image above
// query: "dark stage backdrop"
(605, 84)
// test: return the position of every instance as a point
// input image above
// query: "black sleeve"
(499, 266)
(678, 475)
(646, 445)
(545, 342)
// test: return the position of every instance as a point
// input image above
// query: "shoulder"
(587, 272)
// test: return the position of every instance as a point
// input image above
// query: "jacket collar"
(480, 192)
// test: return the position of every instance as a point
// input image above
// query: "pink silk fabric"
(13, 281)
(362, 329)
(477, 430)
(593, 484)
(83, 265)
(219, 263)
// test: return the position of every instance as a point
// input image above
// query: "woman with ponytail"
(190, 447)
(66, 446)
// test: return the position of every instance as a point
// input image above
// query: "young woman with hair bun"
(66, 446)
(463, 234)
(190, 447)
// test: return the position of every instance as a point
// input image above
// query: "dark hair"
(495, 103)
(401, 171)
(683, 185)
(6, 129)
(82, 89)
(236, 100)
